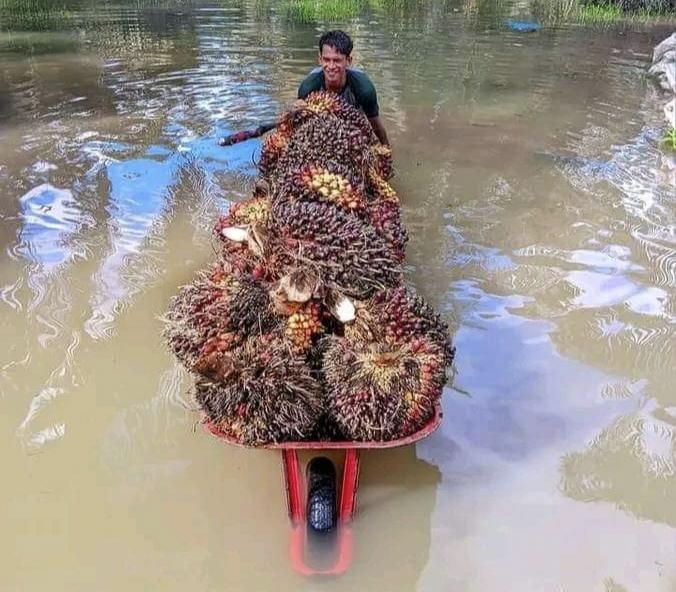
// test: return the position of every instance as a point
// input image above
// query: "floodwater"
(542, 224)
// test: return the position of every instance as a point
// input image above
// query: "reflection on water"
(631, 463)
(49, 217)
(541, 221)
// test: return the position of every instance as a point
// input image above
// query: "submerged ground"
(541, 216)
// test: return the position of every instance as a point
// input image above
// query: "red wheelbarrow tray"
(423, 432)
(295, 489)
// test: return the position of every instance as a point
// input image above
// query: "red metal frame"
(295, 499)
(294, 481)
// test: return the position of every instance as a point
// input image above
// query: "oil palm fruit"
(274, 146)
(303, 325)
(380, 189)
(215, 312)
(399, 315)
(244, 213)
(379, 391)
(381, 157)
(260, 392)
(325, 137)
(385, 217)
(316, 182)
(345, 253)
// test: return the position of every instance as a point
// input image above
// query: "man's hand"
(379, 130)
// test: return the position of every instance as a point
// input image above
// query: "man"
(335, 75)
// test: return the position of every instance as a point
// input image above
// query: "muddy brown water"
(542, 222)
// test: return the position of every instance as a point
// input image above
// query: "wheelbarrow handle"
(243, 135)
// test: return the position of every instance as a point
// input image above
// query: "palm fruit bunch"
(398, 316)
(274, 146)
(326, 136)
(303, 325)
(255, 210)
(381, 157)
(315, 182)
(304, 329)
(380, 189)
(260, 392)
(321, 103)
(216, 311)
(385, 217)
(346, 253)
(377, 390)
(343, 124)
(240, 257)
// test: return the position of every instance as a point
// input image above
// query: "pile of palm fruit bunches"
(303, 328)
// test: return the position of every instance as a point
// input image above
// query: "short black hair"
(339, 40)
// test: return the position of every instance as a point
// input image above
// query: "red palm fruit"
(237, 257)
(380, 391)
(260, 392)
(274, 146)
(399, 315)
(382, 162)
(385, 217)
(343, 252)
(215, 311)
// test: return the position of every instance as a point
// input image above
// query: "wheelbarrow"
(312, 502)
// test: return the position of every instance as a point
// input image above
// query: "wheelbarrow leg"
(293, 480)
(296, 506)
(348, 492)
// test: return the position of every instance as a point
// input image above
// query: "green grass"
(556, 12)
(599, 14)
(34, 15)
(669, 140)
(609, 14)
(325, 10)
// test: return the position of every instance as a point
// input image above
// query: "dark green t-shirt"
(358, 90)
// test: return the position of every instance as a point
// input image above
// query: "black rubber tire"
(321, 495)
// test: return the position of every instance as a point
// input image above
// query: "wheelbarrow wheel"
(321, 495)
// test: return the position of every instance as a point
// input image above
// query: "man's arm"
(367, 98)
(379, 129)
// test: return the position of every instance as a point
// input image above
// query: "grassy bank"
(332, 10)
(555, 12)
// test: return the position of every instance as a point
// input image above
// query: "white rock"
(669, 44)
(663, 68)
(670, 113)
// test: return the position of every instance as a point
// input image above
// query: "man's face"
(334, 64)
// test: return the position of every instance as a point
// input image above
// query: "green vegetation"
(599, 13)
(669, 140)
(337, 10)
(605, 12)
(34, 15)
(326, 10)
